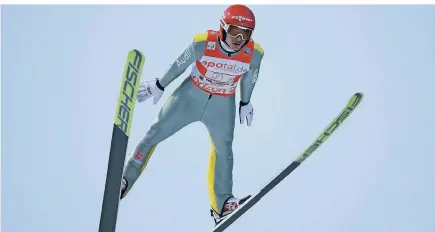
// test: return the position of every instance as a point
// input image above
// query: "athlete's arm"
(247, 82)
(192, 53)
(179, 65)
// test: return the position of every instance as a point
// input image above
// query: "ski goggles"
(236, 31)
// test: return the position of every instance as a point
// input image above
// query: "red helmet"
(237, 20)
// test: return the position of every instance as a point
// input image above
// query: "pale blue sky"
(61, 72)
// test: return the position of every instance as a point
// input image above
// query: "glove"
(246, 111)
(150, 89)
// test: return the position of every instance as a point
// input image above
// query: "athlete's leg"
(219, 118)
(174, 115)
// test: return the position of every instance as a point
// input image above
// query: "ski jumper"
(207, 95)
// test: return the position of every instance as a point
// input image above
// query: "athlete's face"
(237, 37)
(235, 43)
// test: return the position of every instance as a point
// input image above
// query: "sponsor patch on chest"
(229, 67)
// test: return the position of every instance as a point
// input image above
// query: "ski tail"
(352, 104)
(120, 135)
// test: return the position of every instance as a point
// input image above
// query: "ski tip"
(356, 99)
(136, 53)
(359, 95)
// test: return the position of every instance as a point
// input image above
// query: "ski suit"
(206, 95)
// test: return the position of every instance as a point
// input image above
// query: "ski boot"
(230, 205)
(123, 187)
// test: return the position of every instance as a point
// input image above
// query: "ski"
(353, 102)
(120, 135)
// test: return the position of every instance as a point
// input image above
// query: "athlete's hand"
(150, 89)
(246, 111)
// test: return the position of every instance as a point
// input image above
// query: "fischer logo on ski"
(353, 102)
(120, 136)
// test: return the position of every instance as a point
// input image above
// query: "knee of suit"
(223, 147)
(152, 136)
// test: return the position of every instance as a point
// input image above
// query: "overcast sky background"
(61, 73)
